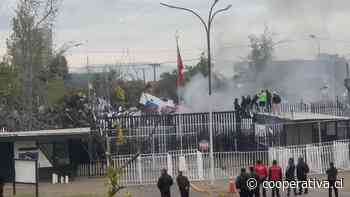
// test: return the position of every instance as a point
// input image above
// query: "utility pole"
(207, 28)
(313, 36)
(347, 81)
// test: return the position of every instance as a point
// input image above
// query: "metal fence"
(184, 131)
(146, 168)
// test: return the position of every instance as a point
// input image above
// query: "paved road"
(97, 188)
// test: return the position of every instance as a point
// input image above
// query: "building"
(57, 151)
(296, 128)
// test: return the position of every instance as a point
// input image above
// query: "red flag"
(180, 68)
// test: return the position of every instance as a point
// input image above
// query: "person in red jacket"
(275, 174)
(261, 170)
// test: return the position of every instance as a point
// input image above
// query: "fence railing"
(146, 168)
(94, 168)
(190, 128)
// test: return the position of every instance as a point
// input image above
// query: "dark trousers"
(254, 193)
(301, 188)
(244, 193)
(165, 194)
(275, 191)
(331, 187)
(185, 193)
(294, 189)
(260, 185)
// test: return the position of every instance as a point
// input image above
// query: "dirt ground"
(96, 187)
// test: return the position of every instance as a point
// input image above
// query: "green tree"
(30, 46)
(58, 67)
(9, 87)
(200, 67)
(167, 85)
(120, 96)
(261, 51)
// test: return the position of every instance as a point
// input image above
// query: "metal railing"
(146, 168)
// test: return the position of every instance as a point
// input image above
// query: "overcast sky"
(142, 30)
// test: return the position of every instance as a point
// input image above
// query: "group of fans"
(263, 101)
(261, 173)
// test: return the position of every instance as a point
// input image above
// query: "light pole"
(313, 36)
(207, 27)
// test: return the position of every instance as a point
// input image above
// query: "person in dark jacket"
(332, 174)
(254, 175)
(302, 171)
(290, 176)
(236, 105)
(249, 103)
(275, 174)
(184, 185)
(164, 183)
(254, 103)
(276, 103)
(241, 183)
(243, 106)
(2, 184)
(269, 100)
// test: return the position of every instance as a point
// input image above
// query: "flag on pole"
(180, 67)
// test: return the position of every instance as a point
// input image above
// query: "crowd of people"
(263, 101)
(260, 173)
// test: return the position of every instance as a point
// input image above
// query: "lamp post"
(313, 36)
(207, 27)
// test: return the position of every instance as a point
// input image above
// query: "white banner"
(25, 171)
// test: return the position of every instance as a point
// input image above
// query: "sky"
(143, 31)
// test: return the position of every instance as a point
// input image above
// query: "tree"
(58, 67)
(30, 46)
(261, 51)
(167, 85)
(8, 82)
(200, 67)
(120, 96)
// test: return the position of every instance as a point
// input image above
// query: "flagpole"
(177, 48)
(179, 92)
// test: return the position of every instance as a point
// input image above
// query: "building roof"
(299, 116)
(67, 133)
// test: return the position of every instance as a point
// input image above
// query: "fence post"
(139, 168)
(211, 151)
(170, 164)
(200, 165)
(319, 133)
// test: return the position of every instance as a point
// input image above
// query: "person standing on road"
(290, 176)
(332, 174)
(184, 185)
(275, 174)
(254, 175)
(241, 183)
(164, 183)
(2, 184)
(261, 170)
(302, 171)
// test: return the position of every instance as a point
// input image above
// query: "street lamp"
(313, 36)
(207, 28)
